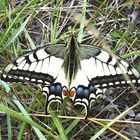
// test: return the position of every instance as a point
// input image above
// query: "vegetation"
(26, 25)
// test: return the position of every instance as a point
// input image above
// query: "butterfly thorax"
(71, 60)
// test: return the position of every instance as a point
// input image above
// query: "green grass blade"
(5, 85)
(101, 131)
(22, 128)
(17, 32)
(24, 118)
(14, 21)
(29, 39)
(131, 54)
(72, 126)
(38, 132)
(80, 35)
(59, 126)
(9, 127)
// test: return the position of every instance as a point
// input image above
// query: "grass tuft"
(27, 25)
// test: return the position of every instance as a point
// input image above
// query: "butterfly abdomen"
(71, 60)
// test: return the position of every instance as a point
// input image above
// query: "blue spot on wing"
(80, 90)
(58, 88)
(52, 88)
(86, 92)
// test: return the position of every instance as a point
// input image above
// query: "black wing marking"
(105, 70)
(40, 66)
(88, 51)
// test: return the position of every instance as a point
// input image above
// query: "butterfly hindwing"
(100, 70)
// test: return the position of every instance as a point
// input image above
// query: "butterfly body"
(76, 70)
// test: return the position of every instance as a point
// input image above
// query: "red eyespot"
(72, 92)
(65, 91)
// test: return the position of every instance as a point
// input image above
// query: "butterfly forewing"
(105, 70)
(40, 66)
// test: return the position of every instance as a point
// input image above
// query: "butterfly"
(79, 71)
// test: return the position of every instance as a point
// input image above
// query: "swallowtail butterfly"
(79, 71)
